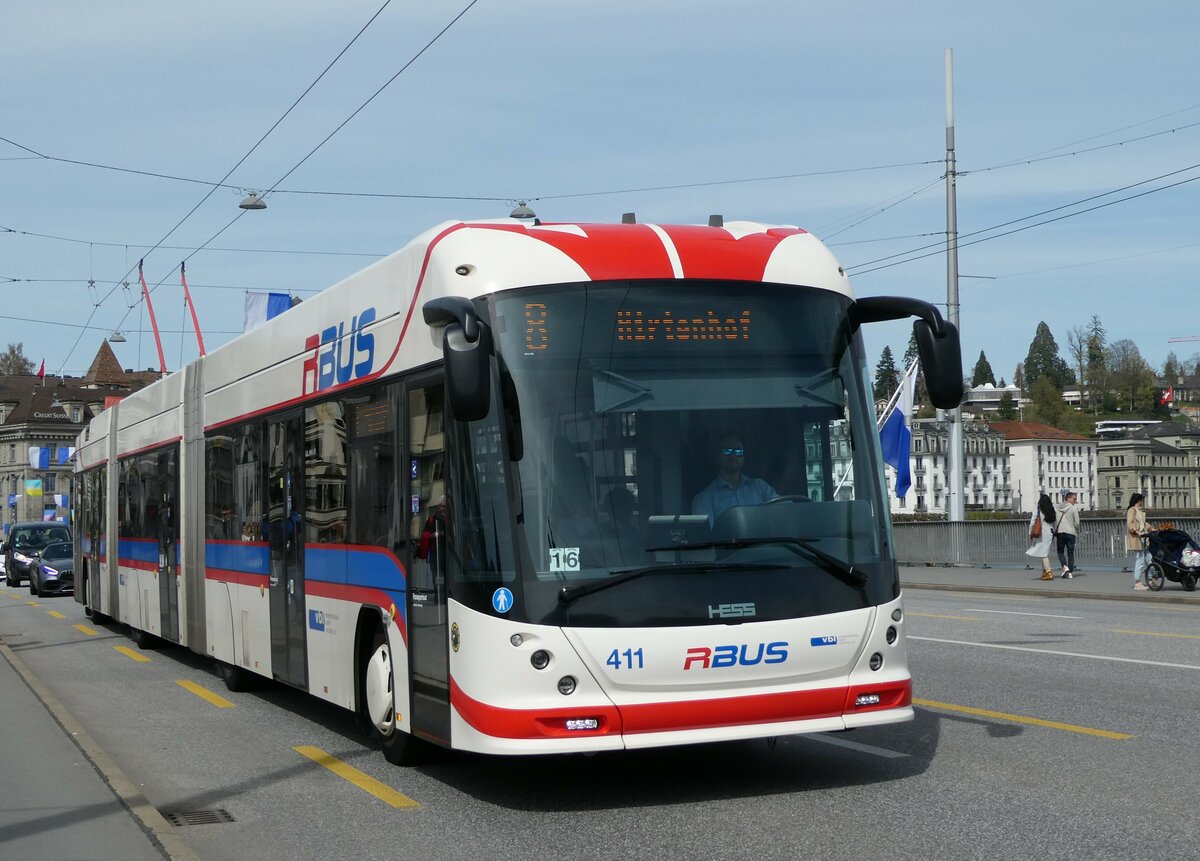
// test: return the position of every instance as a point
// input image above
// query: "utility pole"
(955, 508)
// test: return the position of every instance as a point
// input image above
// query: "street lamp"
(253, 201)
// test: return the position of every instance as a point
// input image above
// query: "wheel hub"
(380, 700)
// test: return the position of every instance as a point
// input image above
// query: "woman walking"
(1135, 533)
(1041, 533)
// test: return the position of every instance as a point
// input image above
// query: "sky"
(119, 118)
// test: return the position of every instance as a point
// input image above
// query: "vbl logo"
(731, 656)
(340, 354)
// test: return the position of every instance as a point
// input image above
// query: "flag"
(33, 487)
(42, 371)
(261, 307)
(895, 436)
(39, 457)
(1167, 396)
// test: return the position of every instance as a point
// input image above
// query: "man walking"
(1067, 531)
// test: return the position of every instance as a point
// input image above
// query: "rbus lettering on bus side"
(339, 354)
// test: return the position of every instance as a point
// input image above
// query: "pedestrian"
(1041, 533)
(1136, 531)
(1067, 531)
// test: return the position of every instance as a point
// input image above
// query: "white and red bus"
(469, 493)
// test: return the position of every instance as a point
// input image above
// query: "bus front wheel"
(379, 704)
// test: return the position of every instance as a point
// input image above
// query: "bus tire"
(379, 704)
(142, 639)
(236, 679)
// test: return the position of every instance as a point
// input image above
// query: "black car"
(24, 542)
(52, 571)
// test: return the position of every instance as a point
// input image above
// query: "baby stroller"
(1173, 556)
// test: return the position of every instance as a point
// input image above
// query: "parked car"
(24, 541)
(52, 571)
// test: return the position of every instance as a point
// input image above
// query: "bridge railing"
(1101, 542)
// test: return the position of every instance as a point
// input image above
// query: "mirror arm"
(873, 309)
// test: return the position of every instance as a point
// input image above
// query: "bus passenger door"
(428, 533)
(284, 528)
(167, 529)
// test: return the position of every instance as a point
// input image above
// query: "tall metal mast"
(955, 479)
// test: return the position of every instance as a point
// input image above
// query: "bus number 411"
(625, 660)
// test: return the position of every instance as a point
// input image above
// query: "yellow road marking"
(1103, 733)
(33, 603)
(942, 616)
(1156, 634)
(56, 614)
(86, 630)
(205, 694)
(130, 653)
(363, 781)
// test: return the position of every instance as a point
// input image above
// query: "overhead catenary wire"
(339, 127)
(249, 152)
(940, 245)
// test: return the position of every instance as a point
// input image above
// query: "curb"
(1043, 593)
(153, 823)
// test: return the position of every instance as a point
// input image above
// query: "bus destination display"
(661, 326)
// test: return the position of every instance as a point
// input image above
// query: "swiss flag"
(42, 371)
(1167, 396)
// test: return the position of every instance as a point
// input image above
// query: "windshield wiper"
(568, 594)
(839, 568)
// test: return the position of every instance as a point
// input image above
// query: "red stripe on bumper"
(676, 716)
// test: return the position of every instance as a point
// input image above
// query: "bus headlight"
(566, 685)
(876, 661)
(891, 634)
(540, 659)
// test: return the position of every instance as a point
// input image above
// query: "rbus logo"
(732, 656)
(340, 354)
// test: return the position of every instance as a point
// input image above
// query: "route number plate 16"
(564, 558)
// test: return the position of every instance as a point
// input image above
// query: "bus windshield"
(688, 453)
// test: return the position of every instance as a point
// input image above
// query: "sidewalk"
(1107, 584)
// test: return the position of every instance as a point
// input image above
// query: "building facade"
(987, 484)
(1161, 462)
(1045, 459)
(40, 419)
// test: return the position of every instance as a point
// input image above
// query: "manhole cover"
(198, 817)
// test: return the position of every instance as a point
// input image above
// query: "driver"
(731, 486)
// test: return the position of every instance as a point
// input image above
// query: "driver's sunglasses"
(740, 452)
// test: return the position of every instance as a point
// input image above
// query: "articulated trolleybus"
(525, 488)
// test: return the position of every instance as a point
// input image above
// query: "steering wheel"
(791, 497)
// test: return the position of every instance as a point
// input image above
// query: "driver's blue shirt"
(719, 495)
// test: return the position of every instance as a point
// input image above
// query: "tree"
(1172, 371)
(1007, 411)
(887, 378)
(1130, 374)
(1043, 360)
(13, 361)
(1096, 366)
(1047, 400)
(1077, 339)
(1019, 378)
(983, 372)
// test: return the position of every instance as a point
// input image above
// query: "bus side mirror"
(941, 360)
(467, 349)
(937, 343)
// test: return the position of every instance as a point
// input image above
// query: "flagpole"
(895, 398)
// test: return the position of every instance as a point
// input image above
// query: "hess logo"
(705, 658)
(339, 353)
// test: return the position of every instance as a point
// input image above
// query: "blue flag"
(895, 436)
